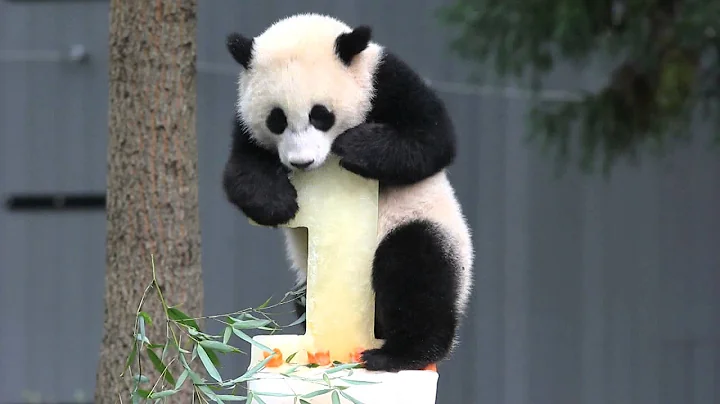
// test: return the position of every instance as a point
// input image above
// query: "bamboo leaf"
(211, 394)
(182, 318)
(316, 393)
(250, 372)
(212, 371)
(290, 371)
(351, 398)
(142, 393)
(247, 338)
(147, 318)
(226, 334)
(161, 394)
(230, 397)
(131, 357)
(142, 338)
(165, 350)
(269, 394)
(264, 305)
(160, 367)
(357, 382)
(140, 379)
(213, 357)
(141, 326)
(181, 379)
(298, 321)
(335, 397)
(250, 324)
(344, 366)
(196, 379)
(218, 346)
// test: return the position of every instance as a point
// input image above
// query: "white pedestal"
(405, 387)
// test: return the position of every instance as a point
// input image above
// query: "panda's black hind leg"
(416, 283)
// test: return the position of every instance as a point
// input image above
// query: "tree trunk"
(152, 203)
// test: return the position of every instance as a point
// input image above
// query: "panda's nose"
(301, 164)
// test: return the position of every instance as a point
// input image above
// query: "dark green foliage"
(666, 55)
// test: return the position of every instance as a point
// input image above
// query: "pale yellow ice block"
(340, 211)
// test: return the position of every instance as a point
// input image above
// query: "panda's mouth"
(302, 165)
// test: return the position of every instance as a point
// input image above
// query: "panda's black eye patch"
(321, 118)
(276, 121)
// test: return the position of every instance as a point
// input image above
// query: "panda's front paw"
(271, 202)
(272, 212)
(361, 149)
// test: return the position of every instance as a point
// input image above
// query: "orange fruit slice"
(431, 367)
(276, 361)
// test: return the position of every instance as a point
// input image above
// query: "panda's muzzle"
(304, 150)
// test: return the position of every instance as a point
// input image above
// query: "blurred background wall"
(587, 291)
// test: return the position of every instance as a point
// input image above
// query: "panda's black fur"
(407, 137)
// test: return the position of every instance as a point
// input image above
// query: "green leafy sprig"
(204, 347)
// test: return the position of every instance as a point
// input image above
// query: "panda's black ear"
(349, 44)
(240, 48)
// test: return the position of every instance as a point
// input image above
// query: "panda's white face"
(294, 110)
(296, 96)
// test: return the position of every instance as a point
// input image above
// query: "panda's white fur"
(294, 66)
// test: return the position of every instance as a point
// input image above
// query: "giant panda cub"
(310, 85)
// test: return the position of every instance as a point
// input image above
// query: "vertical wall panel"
(555, 292)
(484, 204)
(516, 258)
(593, 290)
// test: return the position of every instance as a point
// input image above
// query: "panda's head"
(304, 81)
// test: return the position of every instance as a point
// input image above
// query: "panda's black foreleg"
(379, 151)
(256, 182)
(416, 284)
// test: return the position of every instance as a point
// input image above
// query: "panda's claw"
(376, 360)
(381, 360)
